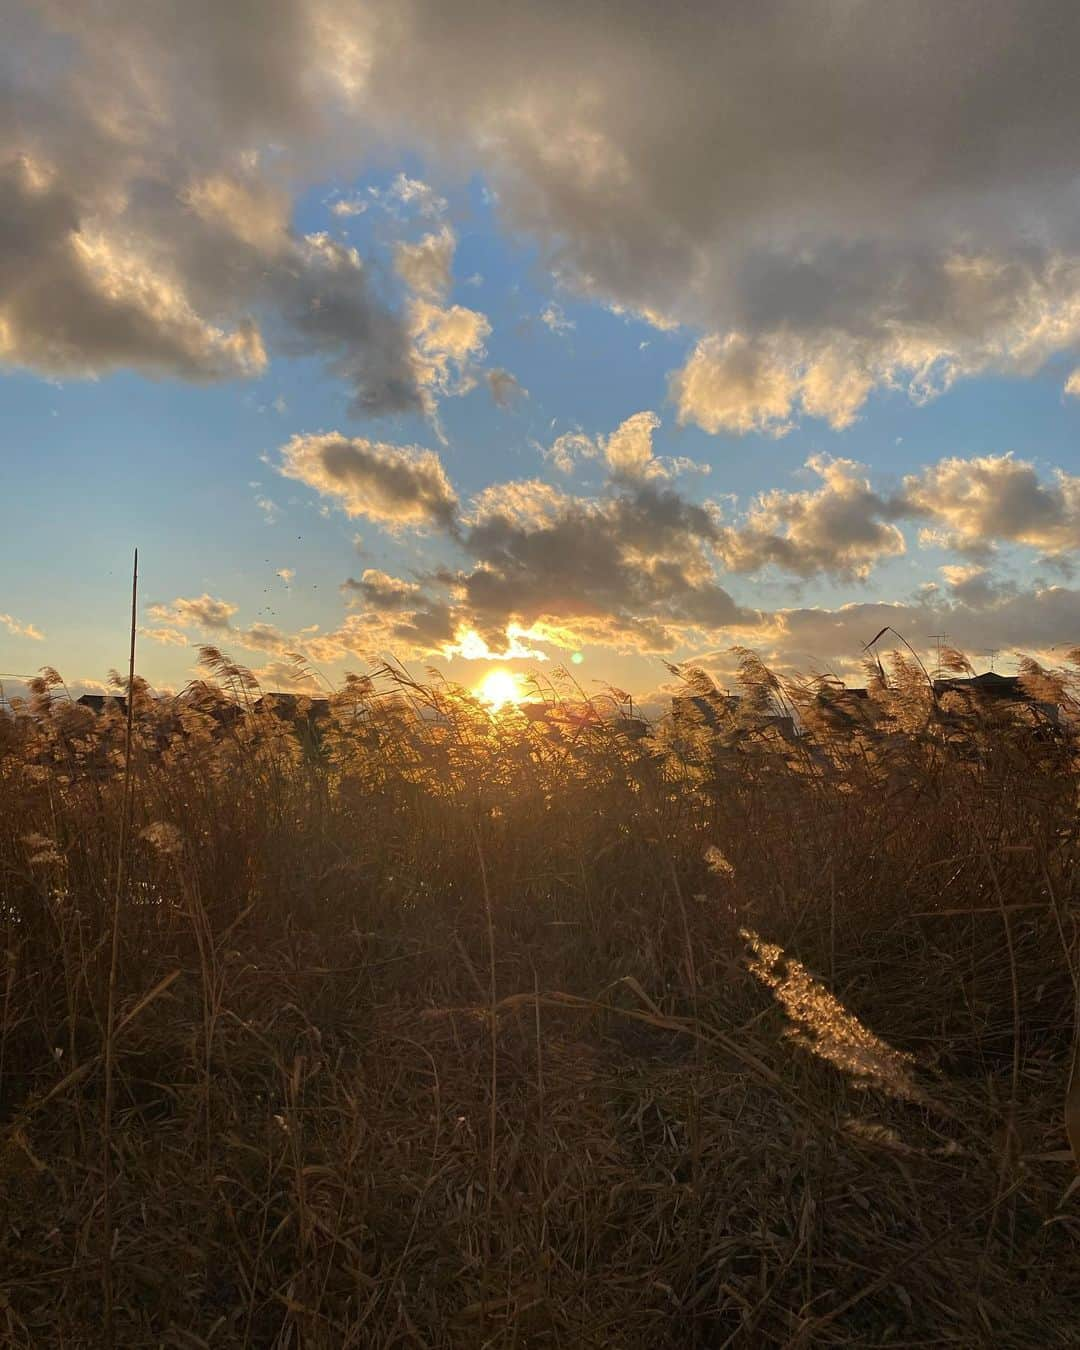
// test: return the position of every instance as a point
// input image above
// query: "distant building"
(308, 717)
(294, 707)
(99, 703)
(991, 688)
(844, 708)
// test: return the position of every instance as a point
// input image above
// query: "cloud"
(975, 586)
(974, 503)
(392, 615)
(426, 267)
(951, 316)
(570, 448)
(447, 342)
(642, 568)
(201, 611)
(21, 630)
(166, 637)
(142, 230)
(286, 677)
(627, 451)
(824, 194)
(504, 388)
(737, 384)
(730, 385)
(529, 503)
(845, 528)
(265, 637)
(842, 528)
(382, 591)
(552, 317)
(1031, 621)
(911, 224)
(349, 206)
(633, 571)
(395, 486)
(411, 193)
(76, 301)
(214, 617)
(1060, 565)
(328, 309)
(397, 616)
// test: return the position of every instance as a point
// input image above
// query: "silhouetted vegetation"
(443, 1027)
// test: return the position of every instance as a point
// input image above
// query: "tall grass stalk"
(109, 1231)
(424, 1024)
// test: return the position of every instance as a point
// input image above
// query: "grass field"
(448, 1027)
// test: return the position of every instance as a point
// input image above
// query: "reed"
(432, 1026)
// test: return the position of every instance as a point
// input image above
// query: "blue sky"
(795, 478)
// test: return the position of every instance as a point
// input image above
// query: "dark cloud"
(639, 569)
(381, 591)
(973, 504)
(391, 615)
(642, 567)
(265, 637)
(976, 587)
(144, 216)
(73, 302)
(322, 304)
(504, 388)
(843, 528)
(845, 194)
(837, 195)
(396, 486)
(659, 610)
(634, 570)
(1007, 620)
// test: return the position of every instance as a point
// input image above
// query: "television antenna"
(940, 640)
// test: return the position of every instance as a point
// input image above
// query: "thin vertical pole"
(114, 959)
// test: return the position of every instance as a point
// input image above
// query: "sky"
(516, 335)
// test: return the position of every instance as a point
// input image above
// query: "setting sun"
(498, 688)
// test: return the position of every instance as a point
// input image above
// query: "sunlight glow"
(469, 644)
(499, 688)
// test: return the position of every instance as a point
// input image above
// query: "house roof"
(989, 682)
(290, 705)
(99, 702)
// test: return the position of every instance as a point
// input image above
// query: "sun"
(498, 688)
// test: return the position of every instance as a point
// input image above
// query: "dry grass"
(461, 1030)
